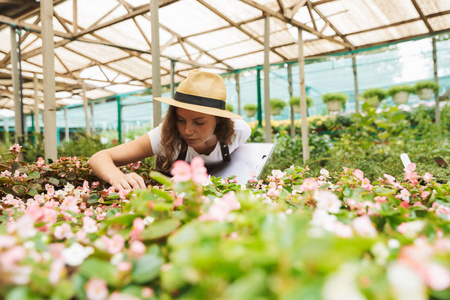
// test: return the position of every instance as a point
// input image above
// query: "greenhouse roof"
(107, 43)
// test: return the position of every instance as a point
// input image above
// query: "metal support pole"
(75, 16)
(66, 117)
(156, 63)
(85, 105)
(119, 119)
(37, 127)
(291, 94)
(16, 87)
(238, 91)
(91, 105)
(22, 116)
(355, 78)
(268, 127)
(50, 138)
(172, 77)
(437, 110)
(303, 108)
(258, 94)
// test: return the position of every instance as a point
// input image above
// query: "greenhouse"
(211, 149)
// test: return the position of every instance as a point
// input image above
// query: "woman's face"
(195, 128)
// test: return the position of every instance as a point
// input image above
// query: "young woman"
(196, 124)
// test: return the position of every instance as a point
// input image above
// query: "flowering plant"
(194, 237)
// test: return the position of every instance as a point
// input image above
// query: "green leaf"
(20, 292)
(162, 194)
(53, 181)
(93, 198)
(34, 175)
(97, 268)
(19, 190)
(32, 192)
(161, 178)
(383, 191)
(15, 166)
(160, 229)
(147, 268)
(124, 219)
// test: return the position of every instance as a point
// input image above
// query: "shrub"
(426, 84)
(400, 88)
(335, 96)
(296, 101)
(229, 107)
(250, 106)
(378, 92)
(277, 103)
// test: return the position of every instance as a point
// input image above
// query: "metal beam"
(422, 16)
(303, 103)
(16, 86)
(293, 22)
(156, 61)
(267, 113)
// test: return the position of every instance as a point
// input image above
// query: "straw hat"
(202, 92)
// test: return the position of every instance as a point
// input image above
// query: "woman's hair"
(171, 139)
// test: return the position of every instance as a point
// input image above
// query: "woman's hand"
(129, 181)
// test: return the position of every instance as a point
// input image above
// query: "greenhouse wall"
(404, 63)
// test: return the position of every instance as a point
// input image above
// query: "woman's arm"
(105, 162)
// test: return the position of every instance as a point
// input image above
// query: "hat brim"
(199, 108)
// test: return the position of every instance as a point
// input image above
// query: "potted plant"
(334, 101)
(400, 93)
(294, 102)
(426, 89)
(374, 96)
(250, 109)
(277, 106)
(229, 107)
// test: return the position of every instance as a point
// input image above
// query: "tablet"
(245, 160)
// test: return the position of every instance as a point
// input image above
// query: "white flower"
(327, 201)
(76, 254)
(381, 253)
(364, 227)
(324, 172)
(148, 220)
(322, 219)
(406, 284)
(393, 244)
(341, 285)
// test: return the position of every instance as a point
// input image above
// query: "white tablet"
(245, 160)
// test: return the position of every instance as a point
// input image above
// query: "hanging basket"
(373, 101)
(334, 105)
(296, 109)
(401, 97)
(425, 94)
(250, 113)
(276, 111)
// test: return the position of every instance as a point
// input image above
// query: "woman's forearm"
(103, 166)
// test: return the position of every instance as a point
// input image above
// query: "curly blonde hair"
(171, 139)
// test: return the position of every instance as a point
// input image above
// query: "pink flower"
(56, 270)
(138, 227)
(23, 226)
(410, 168)
(181, 171)
(7, 241)
(178, 201)
(70, 203)
(199, 172)
(404, 195)
(115, 244)
(123, 194)
(427, 177)
(40, 162)
(63, 231)
(137, 248)
(309, 184)
(15, 148)
(231, 202)
(359, 174)
(365, 184)
(96, 289)
(364, 227)
(90, 226)
(424, 195)
(380, 199)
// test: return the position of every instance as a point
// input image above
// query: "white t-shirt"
(241, 129)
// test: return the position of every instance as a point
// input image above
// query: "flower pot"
(373, 101)
(400, 97)
(296, 109)
(425, 94)
(250, 113)
(275, 111)
(334, 105)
